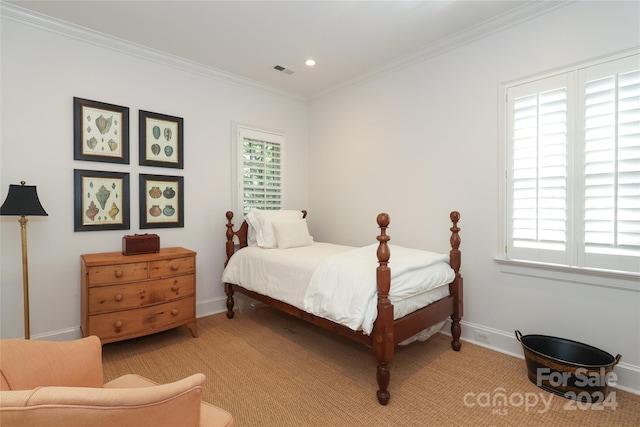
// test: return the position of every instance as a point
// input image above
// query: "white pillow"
(261, 221)
(252, 221)
(292, 234)
(251, 236)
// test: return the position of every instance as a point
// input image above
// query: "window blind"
(612, 164)
(539, 170)
(258, 169)
(261, 174)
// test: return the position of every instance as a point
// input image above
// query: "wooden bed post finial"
(455, 241)
(230, 244)
(383, 331)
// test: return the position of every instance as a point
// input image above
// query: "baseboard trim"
(506, 342)
(211, 306)
(68, 334)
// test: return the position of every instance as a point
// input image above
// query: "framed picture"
(101, 200)
(100, 132)
(161, 140)
(161, 201)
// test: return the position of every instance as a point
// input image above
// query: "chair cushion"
(27, 364)
(173, 404)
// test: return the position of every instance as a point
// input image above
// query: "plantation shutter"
(573, 167)
(612, 163)
(538, 167)
(261, 174)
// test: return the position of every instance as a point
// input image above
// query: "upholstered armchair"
(61, 384)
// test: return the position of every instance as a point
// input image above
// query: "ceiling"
(350, 40)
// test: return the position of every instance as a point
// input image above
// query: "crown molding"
(527, 11)
(47, 23)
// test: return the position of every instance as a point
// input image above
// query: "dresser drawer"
(133, 295)
(172, 267)
(117, 273)
(142, 321)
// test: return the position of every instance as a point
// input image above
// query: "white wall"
(41, 73)
(424, 140)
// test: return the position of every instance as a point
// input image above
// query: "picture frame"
(161, 201)
(100, 131)
(101, 200)
(160, 140)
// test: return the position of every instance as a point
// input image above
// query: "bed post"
(383, 331)
(228, 288)
(230, 234)
(455, 288)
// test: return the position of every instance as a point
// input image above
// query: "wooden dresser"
(129, 296)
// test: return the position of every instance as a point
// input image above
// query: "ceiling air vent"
(284, 69)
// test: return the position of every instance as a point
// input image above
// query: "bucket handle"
(618, 357)
(519, 335)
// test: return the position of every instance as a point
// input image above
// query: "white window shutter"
(573, 167)
(260, 166)
(538, 161)
(612, 165)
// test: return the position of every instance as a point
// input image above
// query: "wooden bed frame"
(387, 332)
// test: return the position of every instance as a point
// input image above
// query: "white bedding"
(313, 278)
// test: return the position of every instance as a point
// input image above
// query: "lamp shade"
(22, 200)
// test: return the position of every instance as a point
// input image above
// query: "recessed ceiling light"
(310, 62)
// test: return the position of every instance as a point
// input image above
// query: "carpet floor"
(270, 369)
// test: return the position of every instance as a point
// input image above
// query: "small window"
(259, 171)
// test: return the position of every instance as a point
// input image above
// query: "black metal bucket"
(568, 368)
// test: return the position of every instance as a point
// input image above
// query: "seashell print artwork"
(155, 210)
(155, 149)
(156, 132)
(103, 124)
(102, 195)
(112, 145)
(168, 210)
(167, 134)
(91, 143)
(92, 211)
(113, 212)
(155, 192)
(169, 193)
(168, 150)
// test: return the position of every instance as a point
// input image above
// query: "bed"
(387, 319)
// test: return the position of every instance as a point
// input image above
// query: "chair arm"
(171, 405)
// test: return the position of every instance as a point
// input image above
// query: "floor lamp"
(22, 200)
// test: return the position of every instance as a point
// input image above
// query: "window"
(573, 167)
(258, 172)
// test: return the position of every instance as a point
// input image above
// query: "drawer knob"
(118, 273)
(119, 297)
(175, 267)
(118, 325)
(175, 288)
(174, 312)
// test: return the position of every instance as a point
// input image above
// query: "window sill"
(594, 277)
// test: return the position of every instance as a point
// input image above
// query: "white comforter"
(413, 272)
(339, 282)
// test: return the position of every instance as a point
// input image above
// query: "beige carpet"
(270, 369)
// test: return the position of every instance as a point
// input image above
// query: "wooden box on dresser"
(127, 296)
